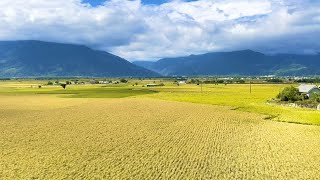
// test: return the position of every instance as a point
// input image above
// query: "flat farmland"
(44, 136)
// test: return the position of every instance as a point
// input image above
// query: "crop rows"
(150, 139)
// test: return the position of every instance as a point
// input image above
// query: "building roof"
(307, 88)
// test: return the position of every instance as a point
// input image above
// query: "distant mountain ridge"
(245, 62)
(41, 59)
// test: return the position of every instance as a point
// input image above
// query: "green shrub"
(289, 94)
(308, 103)
(316, 97)
(123, 80)
(220, 81)
(63, 86)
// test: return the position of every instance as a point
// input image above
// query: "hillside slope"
(244, 62)
(37, 58)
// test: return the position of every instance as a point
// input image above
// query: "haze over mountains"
(37, 58)
(244, 62)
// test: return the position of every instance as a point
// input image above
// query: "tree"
(193, 81)
(50, 83)
(123, 80)
(64, 86)
(220, 81)
(289, 94)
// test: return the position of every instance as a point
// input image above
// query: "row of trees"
(57, 82)
(64, 85)
(311, 81)
(217, 81)
(276, 80)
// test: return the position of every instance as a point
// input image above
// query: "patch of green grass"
(110, 93)
(80, 91)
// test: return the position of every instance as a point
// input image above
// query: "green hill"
(37, 58)
(244, 62)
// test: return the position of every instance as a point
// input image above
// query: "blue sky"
(93, 2)
(99, 2)
(155, 2)
(136, 30)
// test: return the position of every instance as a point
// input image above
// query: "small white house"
(309, 89)
(103, 82)
(151, 85)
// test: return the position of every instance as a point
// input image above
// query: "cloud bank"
(137, 31)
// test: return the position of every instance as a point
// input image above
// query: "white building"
(103, 82)
(309, 89)
(151, 85)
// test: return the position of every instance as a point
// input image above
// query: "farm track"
(149, 139)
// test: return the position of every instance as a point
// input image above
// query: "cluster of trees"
(57, 82)
(217, 81)
(5, 79)
(276, 80)
(123, 80)
(82, 82)
(63, 85)
(312, 81)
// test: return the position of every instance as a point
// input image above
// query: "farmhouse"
(182, 82)
(309, 89)
(151, 85)
(103, 82)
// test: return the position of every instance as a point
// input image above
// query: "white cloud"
(136, 31)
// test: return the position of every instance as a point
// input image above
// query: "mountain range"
(43, 59)
(46, 59)
(245, 62)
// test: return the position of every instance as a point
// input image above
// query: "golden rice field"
(144, 139)
(44, 136)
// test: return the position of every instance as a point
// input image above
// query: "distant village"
(306, 95)
(270, 79)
